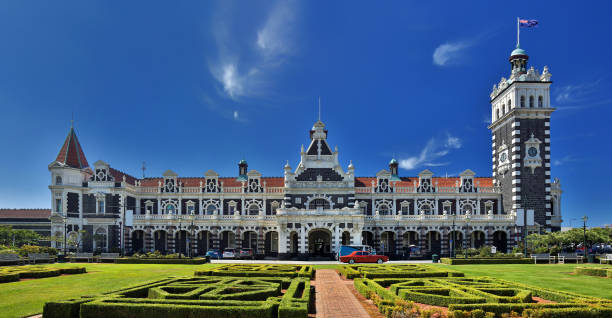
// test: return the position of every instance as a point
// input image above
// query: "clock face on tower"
(503, 157)
(532, 151)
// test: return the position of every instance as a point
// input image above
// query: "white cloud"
(247, 69)
(432, 151)
(235, 115)
(449, 52)
(564, 160)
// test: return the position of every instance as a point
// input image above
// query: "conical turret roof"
(72, 154)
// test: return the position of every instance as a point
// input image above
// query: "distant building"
(36, 220)
(318, 206)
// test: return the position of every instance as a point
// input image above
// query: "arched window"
(319, 203)
(426, 209)
(540, 101)
(504, 109)
(522, 101)
(211, 209)
(383, 209)
(467, 208)
(498, 116)
(253, 209)
(170, 209)
(58, 180)
(531, 102)
(509, 103)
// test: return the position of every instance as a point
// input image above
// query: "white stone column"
(337, 234)
(303, 244)
(282, 240)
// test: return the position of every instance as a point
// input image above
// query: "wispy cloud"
(448, 53)
(235, 115)
(247, 69)
(433, 151)
(579, 96)
(564, 160)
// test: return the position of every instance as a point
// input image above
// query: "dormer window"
(58, 180)
(100, 203)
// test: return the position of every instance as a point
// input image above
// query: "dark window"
(316, 203)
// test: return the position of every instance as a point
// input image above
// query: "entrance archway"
(228, 240)
(138, 241)
(271, 243)
(180, 242)
(367, 238)
(319, 243)
(455, 242)
(500, 241)
(203, 242)
(478, 239)
(387, 242)
(434, 242)
(249, 239)
(410, 243)
(160, 239)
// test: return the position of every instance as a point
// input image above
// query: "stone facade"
(318, 206)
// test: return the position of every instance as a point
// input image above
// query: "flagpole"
(518, 32)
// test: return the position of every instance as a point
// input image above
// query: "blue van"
(348, 249)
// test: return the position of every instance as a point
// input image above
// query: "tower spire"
(319, 108)
(518, 32)
(71, 154)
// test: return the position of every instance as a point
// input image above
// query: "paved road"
(266, 261)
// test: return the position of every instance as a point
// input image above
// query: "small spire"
(72, 121)
(319, 108)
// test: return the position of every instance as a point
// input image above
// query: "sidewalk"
(334, 299)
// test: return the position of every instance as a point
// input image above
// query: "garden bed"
(594, 271)
(209, 296)
(259, 270)
(396, 271)
(15, 273)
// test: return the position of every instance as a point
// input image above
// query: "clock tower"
(520, 128)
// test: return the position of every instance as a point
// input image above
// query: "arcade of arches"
(318, 242)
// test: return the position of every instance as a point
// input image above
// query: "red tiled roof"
(442, 182)
(71, 153)
(150, 182)
(25, 213)
(274, 181)
(118, 176)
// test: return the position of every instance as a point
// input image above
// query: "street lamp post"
(180, 218)
(65, 219)
(584, 220)
(454, 238)
(467, 228)
(192, 217)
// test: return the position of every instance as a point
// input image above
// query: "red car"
(363, 257)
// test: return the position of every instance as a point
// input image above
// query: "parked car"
(363, 257)
(213, 254)
(246, 253)
(348, 249)
(229, 253)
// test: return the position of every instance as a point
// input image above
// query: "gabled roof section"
(71, 154)
(313, 149)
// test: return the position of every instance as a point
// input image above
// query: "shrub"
(170, 260)
(259, 270)
(14, 273)
(593, 271)
(468, 261)
(396, 271)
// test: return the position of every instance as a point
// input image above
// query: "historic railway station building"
(319, 205)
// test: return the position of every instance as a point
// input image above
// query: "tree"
(13, 237)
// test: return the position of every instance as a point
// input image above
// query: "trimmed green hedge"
(470, 261)
(475, 297)
(15, 273)
(259, 270)
(137, 260)
(594, 271)
(396, 271)
(211, 296)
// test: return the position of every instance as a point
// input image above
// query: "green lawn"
(555, 276)
(26, 298)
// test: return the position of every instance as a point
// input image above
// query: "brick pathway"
(334, 299)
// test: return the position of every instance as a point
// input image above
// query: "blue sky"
(198, 85)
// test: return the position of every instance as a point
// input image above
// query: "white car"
(229, 253)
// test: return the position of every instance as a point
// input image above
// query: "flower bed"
(475, 297)
(486, 260)
(396, 271)
(210, 296)
(15, 273)
(259, 270)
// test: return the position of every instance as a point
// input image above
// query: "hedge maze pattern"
(15, 273)
(206, 296)
(396, 271)
(259, 270)
(464, 295)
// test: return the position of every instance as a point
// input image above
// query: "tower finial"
(518, 32)
(72, 121)
(144, 167)
(319, 108)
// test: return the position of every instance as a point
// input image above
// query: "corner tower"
(520, 128)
